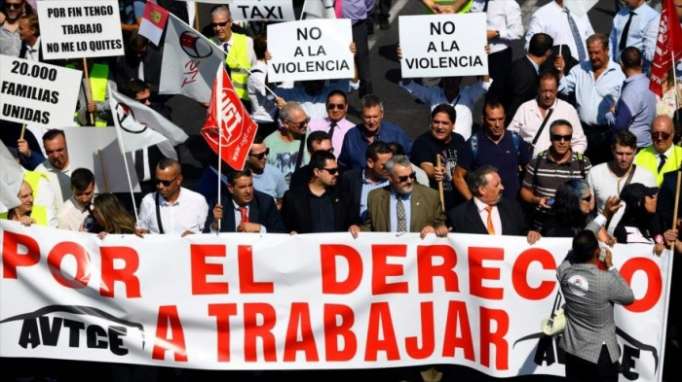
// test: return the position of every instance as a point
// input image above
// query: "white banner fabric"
(315, 49)
(249, 301)
(35, 93)
(82, 28)
(443, 45)
(257, 10)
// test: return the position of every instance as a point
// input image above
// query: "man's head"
(83, 186)
(585, 247)
(13, 9)
(25, 196)
(258, 156)
(443, 119)
(662, 133)
(293, 118)
(548, 86)
(29, 30)
(631, 61)
(485, 183)
(240, 186)
(168, 178)
(313, 87)
(337, 105)
(493, 118)
(372, 113)
(138, 90)
(319, 141)
(221, 22)
(624, 148)
(378, 153)
(540, 46)
(54, 143)
(598, 50)
(324, 167)
(560, 135)
(400, 174)
(137, 45)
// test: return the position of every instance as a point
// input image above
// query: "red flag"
(237, 129)
(668, 44)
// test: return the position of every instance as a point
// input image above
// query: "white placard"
(257, 10)
(35, 93)
(443, 45)
(84, 28)
(310, 50)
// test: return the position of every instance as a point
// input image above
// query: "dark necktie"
(485, 7)
(662, 158)
(626, 30)
(332, 126)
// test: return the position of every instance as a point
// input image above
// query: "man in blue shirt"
(636, 25)
(371, 129)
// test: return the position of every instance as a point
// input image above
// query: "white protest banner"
(323, 301)
(257, 10)
(316, 49)
(35, 93)
(82, 28)
(443, 45)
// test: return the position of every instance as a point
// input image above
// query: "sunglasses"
(261, 155)
(300, 125)
(588, 198)
(331, 171)
(12, 5)
(405, 178)
(338, 106)
(143, 100)
(165, 183)
(224, 23)
(559, 137)
(660, 136)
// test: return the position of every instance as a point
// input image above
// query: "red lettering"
(478, 273)
(489, 337)
(428, 343)
(126, 274)
(427, 271)
(300, 318)
(380, 322)
(168, 314)
(253, 330)
(381, 269)
(458, 322)
(520, 274)
(334, 329)
(11, 258)
(654, 282)
(54, 261)
(201, 269)
(328, 256)
(222, 313)
(246, 282)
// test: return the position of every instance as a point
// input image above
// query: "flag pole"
(130, 182)
(219, 123)
(678, 179)
(88, 92)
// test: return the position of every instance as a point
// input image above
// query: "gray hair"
(288, 109)
(401, 160)
(477, 178)
(220, 9)
(371, 100)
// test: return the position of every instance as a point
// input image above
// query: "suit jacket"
(24, 50)
(351, 189)
(666, 201)
(262, 210)
(296, 210)
(425, 209)
(522, 85)
(466, 219)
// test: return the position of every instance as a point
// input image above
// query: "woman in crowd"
(22, 212)
(110, 215)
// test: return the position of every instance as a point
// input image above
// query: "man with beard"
(266, 177)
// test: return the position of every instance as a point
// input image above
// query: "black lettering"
(29, 330)
(75, 328)
(94, 335)
(627, 367)
(50, 335)
(115, 341)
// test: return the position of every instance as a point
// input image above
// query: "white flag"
(139, 126)
(189, 62)
(10, 179)
(318, 9)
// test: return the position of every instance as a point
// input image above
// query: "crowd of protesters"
(569, 138)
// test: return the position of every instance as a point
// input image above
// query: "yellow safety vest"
(99, 77)
(239, 61)
(38, 213)
(465, 9)
(648, 159)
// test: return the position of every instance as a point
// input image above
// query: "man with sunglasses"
(608, 179)
(10, 40)
(662, 156)
(316, 141)
(266, 177)
(172, 209)
(335, 123)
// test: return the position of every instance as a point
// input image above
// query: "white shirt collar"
(480, 204)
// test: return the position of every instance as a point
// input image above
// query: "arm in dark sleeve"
(31, 162)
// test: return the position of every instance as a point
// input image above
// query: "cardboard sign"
(443, 45)
(84, 28)
(257, 10)
(316, 49)
(35, 93)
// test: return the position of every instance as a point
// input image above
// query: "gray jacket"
(590, 294)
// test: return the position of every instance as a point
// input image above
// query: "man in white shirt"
(76, 209)
(172, 209)
(635, 24)
(530, 116)
(57, 166)
(608, 179)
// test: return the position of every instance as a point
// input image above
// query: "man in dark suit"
(488, 212)
(246, 210)
(404, 205)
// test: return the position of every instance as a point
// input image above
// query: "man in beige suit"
(403, 206)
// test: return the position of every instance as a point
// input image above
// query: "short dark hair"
(492, 102)
(447, 109)
(476, 179)
(337, 92)
(631, 58)
(539, 44)
(315, 137)
(232, 176)
(164, 163)
(319, 159)
(376, 148)
(81, 178)
(560, 122)
(134, 86)
(549, 74)
(52, 134)
(604, 39)
(396, 147)
(371, 100)
(584, 246)
(624, 138)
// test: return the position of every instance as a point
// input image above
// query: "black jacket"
(466, 219)
(262, 210)
(296, 210)
(351, 189)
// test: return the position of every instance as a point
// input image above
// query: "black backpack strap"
(158, 212)
(542, 127)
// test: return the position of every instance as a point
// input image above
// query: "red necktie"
(244, 212)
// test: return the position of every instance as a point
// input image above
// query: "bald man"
(662, 156)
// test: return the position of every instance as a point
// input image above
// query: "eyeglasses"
(559, 137)
(338, 106)
(261, 155)
(660, 136)
(588, 198)
(331, 171)
(165, 183)
(300, 125)
(13, 5)
(405, 178)
(224, 23)
(143, 100)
